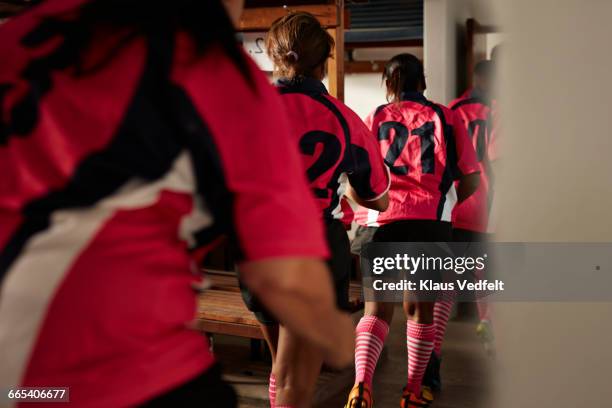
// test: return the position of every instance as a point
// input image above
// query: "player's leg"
(297, 368)
(419, 308)
(271, 333)
(370, 335)
(270, 329)
(442, 311)
(484, 330)
(420, 338)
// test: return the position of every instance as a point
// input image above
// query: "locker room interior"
(553, 184)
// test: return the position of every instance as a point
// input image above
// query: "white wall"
(364, 92)
(444, 39)
(556, 185)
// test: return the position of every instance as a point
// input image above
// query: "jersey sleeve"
(466, 160)
(370, 177)
(273, 212)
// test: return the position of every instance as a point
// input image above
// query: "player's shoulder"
(440, 110)
(385, 112)
(458, 103)
(381, 109)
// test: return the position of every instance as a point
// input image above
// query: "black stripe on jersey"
(451, 168)
(210, 178)
(468, 101)
(380, 108)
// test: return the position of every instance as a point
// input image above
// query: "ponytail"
(403, 73)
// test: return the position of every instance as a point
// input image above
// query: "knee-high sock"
(420, 341)
(370, 333)
(442, 312)
(484, 310)
(272, 390)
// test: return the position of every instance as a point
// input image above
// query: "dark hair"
(206, 22)
(298, 45)
(403, 73)
(496, 51)
(483, 69)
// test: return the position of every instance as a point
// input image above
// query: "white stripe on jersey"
(372, 218)
(32, 280)
(449, 204)
(343, 183)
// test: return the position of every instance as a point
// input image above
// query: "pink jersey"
(337, 147)
(475, 113)
(106, 181)
(426, 148)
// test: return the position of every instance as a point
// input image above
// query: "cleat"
(360, 397)
(427, 394)
(410, 400)
(432, 379)
(484, 330)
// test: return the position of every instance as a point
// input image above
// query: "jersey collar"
(476, 93)
(412, 96)
(302, 85)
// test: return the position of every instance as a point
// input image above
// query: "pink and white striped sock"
(420, 341)
(370, 333)
(272, 390)
(484, 310)
(442, 312)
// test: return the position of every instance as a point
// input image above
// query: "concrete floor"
(466, 372)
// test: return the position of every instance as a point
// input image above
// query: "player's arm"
(379, 204)
(465, 162)
(298, 291)
(370, 178)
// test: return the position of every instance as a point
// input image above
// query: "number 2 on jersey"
(332, 149)
(425, 132)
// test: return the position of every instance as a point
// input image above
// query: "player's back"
(418, 145)
(99, 174)
(336, 146)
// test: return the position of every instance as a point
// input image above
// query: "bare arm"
(298, 291)
(379, 204)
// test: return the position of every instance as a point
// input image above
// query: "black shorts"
(417, 231)
(414, 231)
(363, 235)
(463, 235)
(339, 264)
(206, 390)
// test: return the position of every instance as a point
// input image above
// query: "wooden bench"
(222, 311)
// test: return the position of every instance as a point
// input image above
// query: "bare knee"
(383, 311)
(420, 312)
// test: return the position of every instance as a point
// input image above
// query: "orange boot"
(360, 397)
